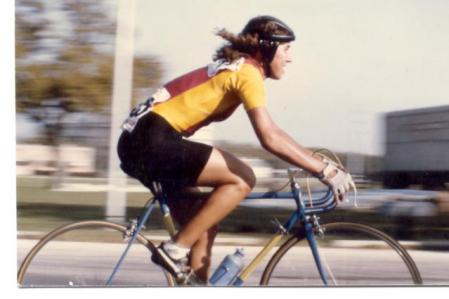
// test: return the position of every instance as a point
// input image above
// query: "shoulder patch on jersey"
(161, 95)
(219, 65)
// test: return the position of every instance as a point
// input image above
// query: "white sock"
(175, 251)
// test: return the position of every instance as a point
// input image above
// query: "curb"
(220, 240)
(261, 241)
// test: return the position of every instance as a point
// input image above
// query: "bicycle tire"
(351, 252)
(65, 271)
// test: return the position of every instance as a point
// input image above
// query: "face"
(280, 60)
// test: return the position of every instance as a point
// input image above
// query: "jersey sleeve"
(250, 88)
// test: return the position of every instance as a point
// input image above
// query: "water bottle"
(231, 265)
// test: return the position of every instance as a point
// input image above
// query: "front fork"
(312, 226)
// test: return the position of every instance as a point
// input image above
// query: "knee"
(247, 181)
(245, 186)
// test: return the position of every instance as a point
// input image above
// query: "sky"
(353, 61)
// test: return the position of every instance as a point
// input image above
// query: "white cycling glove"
(338, 179)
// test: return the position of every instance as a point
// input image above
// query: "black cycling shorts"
(155, 151)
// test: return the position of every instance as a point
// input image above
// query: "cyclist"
(152, 145)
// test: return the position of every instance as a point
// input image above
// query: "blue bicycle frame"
(305, 213)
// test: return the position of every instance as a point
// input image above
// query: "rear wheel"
(352, 255)
(85, 254)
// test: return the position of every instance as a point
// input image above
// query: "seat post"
(166, 215)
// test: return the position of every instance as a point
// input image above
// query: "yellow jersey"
(209, 94)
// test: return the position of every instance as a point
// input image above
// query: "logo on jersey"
(161, 95)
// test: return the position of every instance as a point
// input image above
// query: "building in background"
(417, 148)
(82, 146)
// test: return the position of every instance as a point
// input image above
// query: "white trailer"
(417, 148)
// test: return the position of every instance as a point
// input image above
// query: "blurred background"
(368, 81)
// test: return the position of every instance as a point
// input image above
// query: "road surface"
(68, 263)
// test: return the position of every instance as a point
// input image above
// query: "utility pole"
(121, 100)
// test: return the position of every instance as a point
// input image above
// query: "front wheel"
(351, 254)
(84, 254)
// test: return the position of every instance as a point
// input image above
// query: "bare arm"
(279, 143)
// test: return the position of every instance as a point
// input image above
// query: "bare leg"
(201, 253)
(199, 217)
(232, 181)
(183, 208)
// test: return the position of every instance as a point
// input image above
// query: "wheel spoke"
(352, 255)
(84, 254)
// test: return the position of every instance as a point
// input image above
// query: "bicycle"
(337, 258)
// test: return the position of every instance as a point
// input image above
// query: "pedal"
(192, 280)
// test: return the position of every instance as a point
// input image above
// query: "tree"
(30, 23)
(70, 57)
(65, 62)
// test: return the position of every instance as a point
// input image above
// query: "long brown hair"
(241, 45)
(237, 46)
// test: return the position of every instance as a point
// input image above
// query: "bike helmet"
(269, 40)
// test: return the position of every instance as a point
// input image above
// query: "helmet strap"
(266, 68)
(268, 51)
